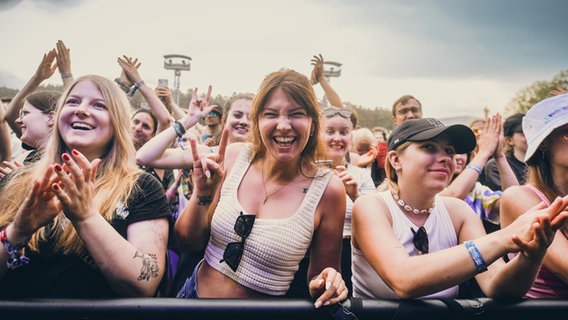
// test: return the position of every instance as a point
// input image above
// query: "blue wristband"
(476, 256)
(474, 167)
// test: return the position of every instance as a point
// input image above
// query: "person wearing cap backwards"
(410, 242)
(515, 148)
(213, 127)
(546, 130)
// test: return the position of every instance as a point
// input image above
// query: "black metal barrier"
(273, 309)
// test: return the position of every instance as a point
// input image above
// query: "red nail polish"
(66, 157)
(75, 152)
(58, 167)
(56, 187)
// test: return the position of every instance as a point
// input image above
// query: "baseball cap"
(542, 119)
(513, 124)
(461, 136)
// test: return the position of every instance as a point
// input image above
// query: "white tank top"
(274, 247)
(441, 235)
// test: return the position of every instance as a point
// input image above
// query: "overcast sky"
(455, 56)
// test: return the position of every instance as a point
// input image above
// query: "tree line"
(370, 117)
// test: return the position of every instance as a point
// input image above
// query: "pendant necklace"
(266, 195)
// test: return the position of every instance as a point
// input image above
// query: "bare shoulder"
(369, 205)
(515, 201)
(231, 153)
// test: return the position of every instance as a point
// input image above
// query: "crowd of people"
(274, 194)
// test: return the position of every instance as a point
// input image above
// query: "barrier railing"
(274, 309)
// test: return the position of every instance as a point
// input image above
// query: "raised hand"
(542, 222)
(9, 166)
(129, 74)
(489, 137)
(208, 170)
(317, 71)
(63, 58)
(76, 188)
(350, 184)
(39, 208)
(197, 105)
(47, 66)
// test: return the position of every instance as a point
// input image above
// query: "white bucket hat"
(542, 119)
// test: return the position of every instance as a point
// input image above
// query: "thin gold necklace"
(266, 195)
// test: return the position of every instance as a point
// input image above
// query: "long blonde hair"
(116, 175)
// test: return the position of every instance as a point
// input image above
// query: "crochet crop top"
(274, 247)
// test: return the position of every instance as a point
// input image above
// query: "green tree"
(529, 96)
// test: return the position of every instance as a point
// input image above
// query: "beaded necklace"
(409, 208)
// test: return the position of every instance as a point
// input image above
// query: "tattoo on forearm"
(149, 266)
(204, 200)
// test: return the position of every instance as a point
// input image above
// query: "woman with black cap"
(410, 242)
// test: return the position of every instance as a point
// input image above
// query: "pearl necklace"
(408, 208)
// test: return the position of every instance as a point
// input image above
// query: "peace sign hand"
(208, 171)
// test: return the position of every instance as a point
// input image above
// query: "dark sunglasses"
(331, 112)
(420, 240)
(212, 114)
(234, 250)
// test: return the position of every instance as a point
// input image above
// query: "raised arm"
(508, 177)
(165, 94)
(5, 143)
(44, 71)
(318, 77)
(64, 63)
(488, 142)
(192, 227)
(156, 152)
(130, 67)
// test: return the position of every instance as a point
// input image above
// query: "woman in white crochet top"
(258, 206)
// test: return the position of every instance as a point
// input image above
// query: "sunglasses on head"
(331, 112)
(234, 250)
(420, 240)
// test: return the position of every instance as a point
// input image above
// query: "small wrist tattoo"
(204, 200)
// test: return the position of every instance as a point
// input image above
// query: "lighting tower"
(330, 69)
(178, 63)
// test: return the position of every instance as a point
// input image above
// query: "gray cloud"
(8, 4)
(481, 38)
(44, 4)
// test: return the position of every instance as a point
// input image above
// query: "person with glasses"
(404, 108)
(257, 207)
(545, 127)
(213, 127)
(30, 112)
(411, 242)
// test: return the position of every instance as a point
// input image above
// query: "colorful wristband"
(474, 167)
(476, 256)
(16, 256)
